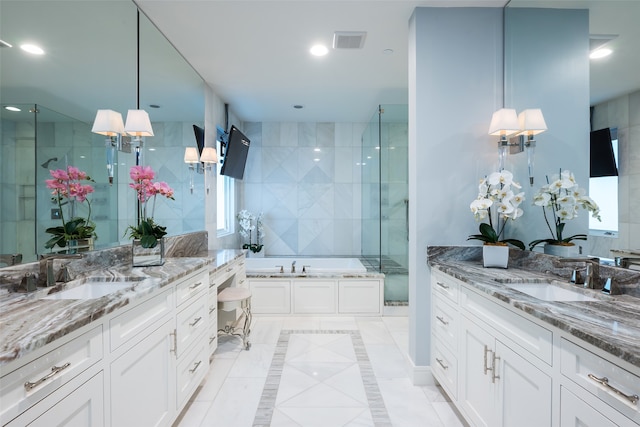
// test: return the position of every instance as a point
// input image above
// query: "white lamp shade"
(531, 122)
(504, 122)
(191, 155)
(108, 122)
(209, 155)
(138, 123)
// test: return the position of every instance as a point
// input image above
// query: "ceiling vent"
(4, 44)
(349, 39)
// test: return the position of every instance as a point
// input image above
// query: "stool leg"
(246, 328)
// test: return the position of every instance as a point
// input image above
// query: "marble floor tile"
(317, 371)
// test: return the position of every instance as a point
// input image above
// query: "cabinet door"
(143, 387)
(575, 412)
(314, 296)
(357, 297)
(524, 392)
(477, 391)
(83, 407)
(270, 296)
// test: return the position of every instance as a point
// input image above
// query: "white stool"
(229, 299)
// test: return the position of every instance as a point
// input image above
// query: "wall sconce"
(531, 123)
(138, 125)
(109, 123)
(504, 122)
(209, 157)
(191, 158)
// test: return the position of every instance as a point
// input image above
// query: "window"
(604, 191)
(224, 196)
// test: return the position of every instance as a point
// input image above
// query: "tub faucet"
(293, 267)
(591, 278)
(47, 273)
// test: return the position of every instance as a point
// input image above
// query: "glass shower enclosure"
(385, 199)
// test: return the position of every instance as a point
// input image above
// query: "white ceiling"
(255, 53)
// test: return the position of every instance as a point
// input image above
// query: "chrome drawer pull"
(54, 370)
(195, 321)
(442, 285)
(212, 339)
(195, 285)
(441, 363)
(486, 368)
(211, 309)
(195, 366)
(494, 377)
(441, 319)
(605, 382)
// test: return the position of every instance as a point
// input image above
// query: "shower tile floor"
(317, 371)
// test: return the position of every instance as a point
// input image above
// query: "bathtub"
(310, 265)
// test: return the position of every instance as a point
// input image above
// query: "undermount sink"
(91, 290)
(550, 292)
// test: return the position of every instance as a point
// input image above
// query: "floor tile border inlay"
(270, 391)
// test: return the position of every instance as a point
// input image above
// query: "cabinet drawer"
(192, 369)
(128, 324)
(192, 323)
(447, 287)
(528, 335)
(445, 368)
(588, 371)
(213, 320)
(192, 288)
(445, 323)
(576, 412)
(31, 383)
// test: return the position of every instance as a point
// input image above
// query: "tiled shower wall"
(622, 113)
(304, 177)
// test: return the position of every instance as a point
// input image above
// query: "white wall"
(455, 84)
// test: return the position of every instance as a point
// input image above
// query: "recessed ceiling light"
(600, 53)
(317, 150)
(11, 108)
(32, 48)
(316, 160)
(319, 50)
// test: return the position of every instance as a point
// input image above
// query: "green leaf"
(488, 231)
(515, 242)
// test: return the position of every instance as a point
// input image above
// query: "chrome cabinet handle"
(174, 334)
(195, 367)
(211, 309)
(212, 339)
(441, 363)
(605, 382)
(54, 370)
(441, 319)
(194, 286)
(195, 321)
(486, 368)
(494, 376)
(442, 285)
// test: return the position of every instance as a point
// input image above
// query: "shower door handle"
(406, 222)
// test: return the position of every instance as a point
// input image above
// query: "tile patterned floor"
(317, 371)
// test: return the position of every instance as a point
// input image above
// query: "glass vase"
(147, 257)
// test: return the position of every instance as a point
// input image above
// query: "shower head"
(46, 164)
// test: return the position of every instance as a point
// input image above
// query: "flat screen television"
(199, 133)
(235, 156)
(602, 159)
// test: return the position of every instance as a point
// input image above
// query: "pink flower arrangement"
(68, 184)
(147, 230)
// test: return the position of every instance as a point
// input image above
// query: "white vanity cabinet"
(33, 388)
(481, 356)
(270, 296)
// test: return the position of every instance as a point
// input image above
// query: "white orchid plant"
(496, 192)
(245, 220)
(561, 199)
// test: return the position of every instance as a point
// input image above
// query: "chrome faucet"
(293, 267)
(47, 273)
(591, 277)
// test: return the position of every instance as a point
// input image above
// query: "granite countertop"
(28, 322)
(612, 323)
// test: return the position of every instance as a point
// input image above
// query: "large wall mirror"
(90, 63)
(614, 95)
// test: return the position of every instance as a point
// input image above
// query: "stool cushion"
(233, 294)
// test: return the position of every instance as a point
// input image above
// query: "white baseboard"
(420, 375)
